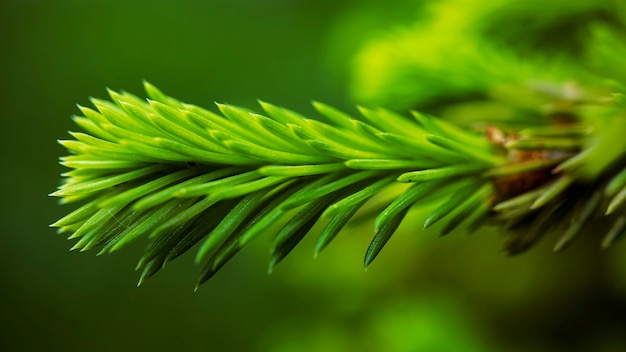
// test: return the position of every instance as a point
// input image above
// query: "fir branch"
(184, 176)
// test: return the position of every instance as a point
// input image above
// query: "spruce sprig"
(184, 176)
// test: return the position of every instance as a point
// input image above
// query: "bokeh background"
(458, 293)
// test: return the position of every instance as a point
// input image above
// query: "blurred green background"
(459, 293)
